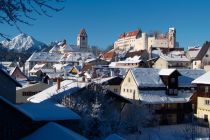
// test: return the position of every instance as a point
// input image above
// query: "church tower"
(172, 38)
(82, 39)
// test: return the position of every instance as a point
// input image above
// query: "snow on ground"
(54, 131)
(170, 132)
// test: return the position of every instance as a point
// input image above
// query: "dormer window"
(172, 80)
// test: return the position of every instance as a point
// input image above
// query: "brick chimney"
(58, 83)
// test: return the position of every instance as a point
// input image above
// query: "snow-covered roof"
(45, 57)
(90, 60)
(47, 111)
(9, 77)
(37, 67)
(193, 52)
(160, 96)
(150, 77)
(45, 103)
(6, 63)
(203, 79)
(54, 75)
(112, 64)
(87, 75)
(166, 72)
(76, 56)
(187, 76)
(175, 56)
(114, 137)
(67, 87)
(12, 70)
(54, 131)
(102, 80)
(147, 77)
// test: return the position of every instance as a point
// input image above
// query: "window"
(130, 90)
(127, 90)
(124, 90)
(206, 89)
(134, 95)
(205, 118)
(115, 90)
(172, 80)
(207, 102)
(129, 79)
(29, 93)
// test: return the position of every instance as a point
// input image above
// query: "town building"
(127, 40)
(8, 86)
(138, 40)
(203, 57)
(82, 39)
(203, 98)
(17, 74)
(167, 92)
(28, 90)
(172, 59)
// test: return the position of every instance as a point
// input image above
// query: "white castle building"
(138, 40)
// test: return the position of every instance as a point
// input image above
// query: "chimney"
(58, 83)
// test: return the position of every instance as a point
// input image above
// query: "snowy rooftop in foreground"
(44, 104)
(203, 79)
(188, 75)
(147, 77)
(46, 111)
(159, 97)
(166, 72)
(52, 131)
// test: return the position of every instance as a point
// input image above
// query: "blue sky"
(105, 20)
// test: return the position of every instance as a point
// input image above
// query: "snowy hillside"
(23, 42)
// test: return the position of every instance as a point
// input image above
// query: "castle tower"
(145, 41)
(172, 38)
(82, 39)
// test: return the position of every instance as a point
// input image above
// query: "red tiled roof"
(108, 55)
(130, 34)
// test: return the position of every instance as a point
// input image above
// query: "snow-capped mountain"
(23, 42)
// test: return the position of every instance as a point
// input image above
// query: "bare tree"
(13, 12)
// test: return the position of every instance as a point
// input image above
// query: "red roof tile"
(108, 55)
(130, 34)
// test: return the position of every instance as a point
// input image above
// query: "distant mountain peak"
(23, 42)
